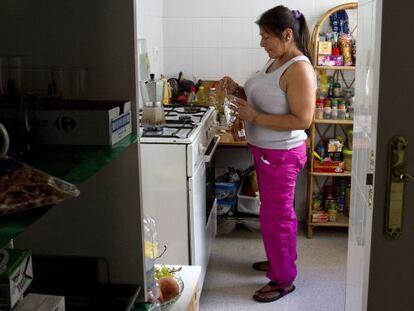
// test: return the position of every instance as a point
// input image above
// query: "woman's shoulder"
(300, 64)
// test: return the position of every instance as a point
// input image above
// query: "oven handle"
(208, 157)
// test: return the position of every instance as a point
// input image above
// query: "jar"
(319, 109)
(347, 159)
(341, 110)
(327, 110)
(316, 202)
(334, 111)
(348, 92)
(336, 89)
(332, 215)
(350, 112)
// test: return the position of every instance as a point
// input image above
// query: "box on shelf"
(37, 302)
(247, 203)
(16, 277)
(83, 122)
(328, 166)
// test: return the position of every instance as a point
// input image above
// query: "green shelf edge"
(77, 164)
(74, 164)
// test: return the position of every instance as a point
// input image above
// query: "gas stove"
(181, 126)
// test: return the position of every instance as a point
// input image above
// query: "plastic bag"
(151, 253)
(24, 187)
(229, 113)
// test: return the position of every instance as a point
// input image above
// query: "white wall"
(209, 39)
(150, 27)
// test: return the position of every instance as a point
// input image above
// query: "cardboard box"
(36, 302)
(328, 167)
(16, 277)
(84, 123)
(324, 47)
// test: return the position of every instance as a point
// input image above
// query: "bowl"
(167, 305)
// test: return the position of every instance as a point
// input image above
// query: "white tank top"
(263, 92)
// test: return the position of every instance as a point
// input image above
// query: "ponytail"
(303, 38)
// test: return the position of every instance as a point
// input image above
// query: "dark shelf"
(74, 164)
(77, 164)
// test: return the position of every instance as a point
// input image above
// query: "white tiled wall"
(150, 20)
(221, 36)
(209, 39)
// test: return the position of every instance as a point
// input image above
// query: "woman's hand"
(229, 84)
(244, 110)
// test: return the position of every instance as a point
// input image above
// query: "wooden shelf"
(332, 121)
(344, 174)
(320, 128)
(341, 221)
(335, 67)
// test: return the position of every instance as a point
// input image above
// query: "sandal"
(274, 288)
(261, 266)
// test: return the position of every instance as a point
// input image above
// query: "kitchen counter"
(226, 139)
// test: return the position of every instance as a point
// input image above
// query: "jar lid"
(347, 151)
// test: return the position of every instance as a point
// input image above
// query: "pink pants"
(276, 175)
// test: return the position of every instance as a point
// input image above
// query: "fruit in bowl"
(169, 288)
(170, 284)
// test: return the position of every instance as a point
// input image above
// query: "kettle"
(155, 89)
(153, 116)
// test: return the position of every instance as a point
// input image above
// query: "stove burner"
(153, 131)
(191, 109)
(184, 118)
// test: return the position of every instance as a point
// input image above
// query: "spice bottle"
(341, 110)
(336, 89)
(319, 109)
(327, 110)
(334, 109)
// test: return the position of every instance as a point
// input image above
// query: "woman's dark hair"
(277, 19)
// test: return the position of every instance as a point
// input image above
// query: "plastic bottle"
(334, 110)
(212, 98)
(201, 96)
(239, 133)
(324, 86)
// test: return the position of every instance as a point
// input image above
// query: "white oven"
(178, 191)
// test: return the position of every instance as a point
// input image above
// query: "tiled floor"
(320, 285)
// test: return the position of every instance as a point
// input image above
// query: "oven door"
(202, 211)
(210, 175)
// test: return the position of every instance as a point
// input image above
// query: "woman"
(277, 105)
